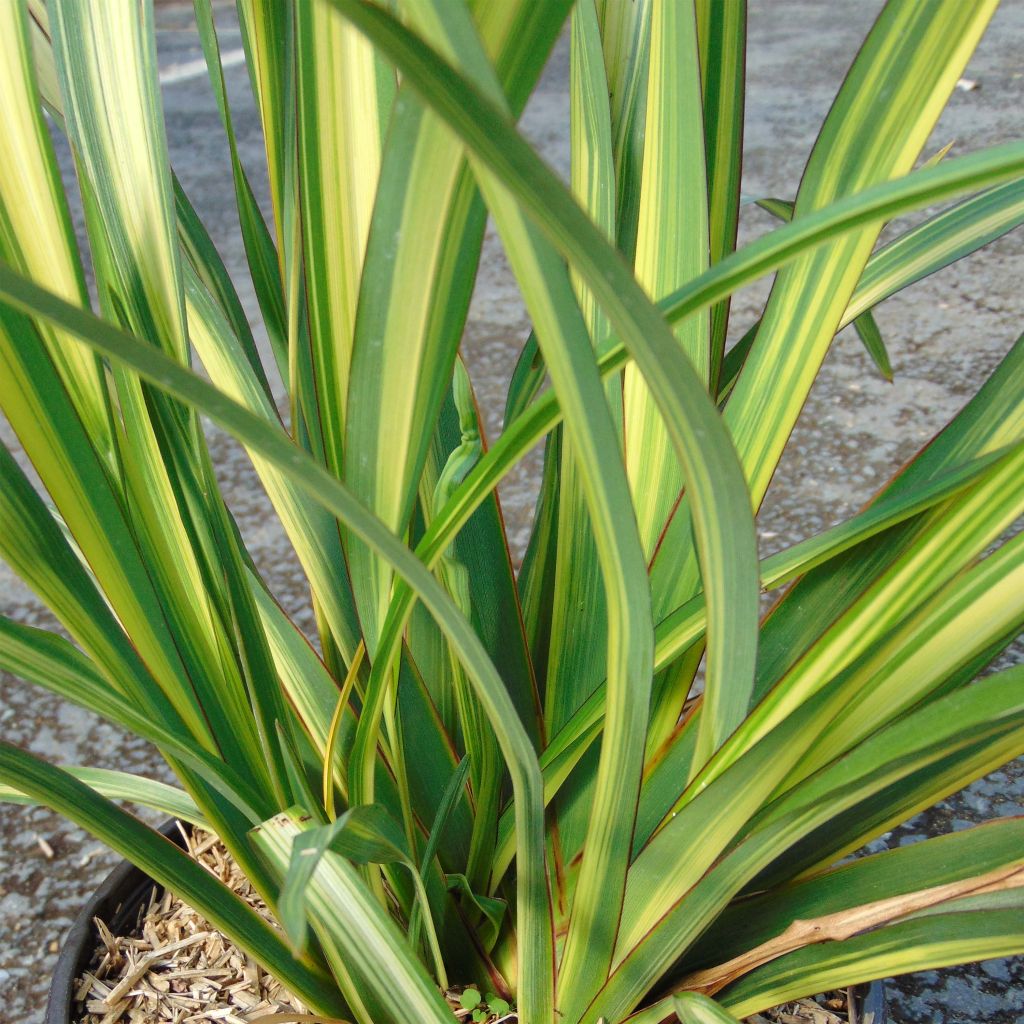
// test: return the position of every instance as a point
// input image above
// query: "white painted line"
(194, 68)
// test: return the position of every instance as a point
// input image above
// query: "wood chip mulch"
(178, 969)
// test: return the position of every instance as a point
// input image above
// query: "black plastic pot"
(118, 899)
(116, 902)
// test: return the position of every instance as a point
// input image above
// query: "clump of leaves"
(472, 772)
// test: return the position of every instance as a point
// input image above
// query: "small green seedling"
(470, 999)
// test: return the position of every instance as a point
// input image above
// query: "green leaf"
(34, 546)
(889, 509)
(493, 910)
(414, 297)
(937, 242)
(110, 50)
(453, 792)
(136, 789)
(693, 1008)
(311, 530)
(934, 171)
(261, 254)
(993, 418)
(91, 505)
(925, 944)
(423, 741)
(912, 664)
(661, 876)
(871, 337)
(721, 33)
(36, 235)
(625, 32)
(124, 174)
(781, 208)
(303, 676)
(268, 38)
(993, 889)
(527, 379)
(343, 99)
(477, 574)
(576, 654)
(409, 327)
(975, 521)
(685, 625)
(203, 263)
(960, 622)
(902, 768)
(521, 35)
(672, 247)
(425, 305)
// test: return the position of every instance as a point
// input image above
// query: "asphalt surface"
(944, 335)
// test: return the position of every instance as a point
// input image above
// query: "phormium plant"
(480, 777)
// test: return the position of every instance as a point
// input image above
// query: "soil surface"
(944, 337)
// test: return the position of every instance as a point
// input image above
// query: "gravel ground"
(944, 337)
